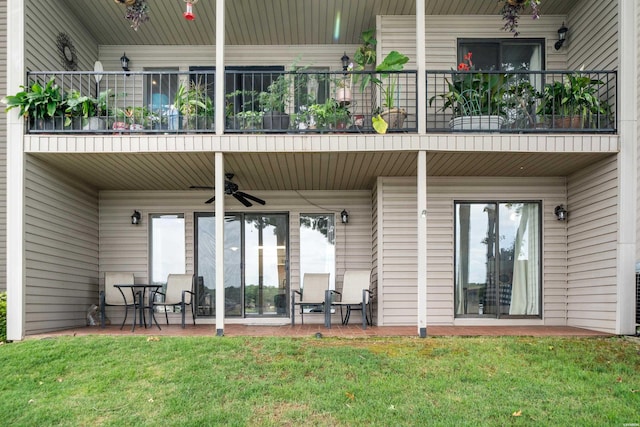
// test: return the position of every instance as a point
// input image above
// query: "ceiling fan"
(231, 189)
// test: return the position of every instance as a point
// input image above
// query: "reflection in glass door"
(265, 249)
(206, 266)
(255, 264)
(497, 259)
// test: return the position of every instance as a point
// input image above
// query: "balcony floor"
(349, 331)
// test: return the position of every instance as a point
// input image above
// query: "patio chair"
(311, 296)
(179, 293)
(112, 296)
(356, 295)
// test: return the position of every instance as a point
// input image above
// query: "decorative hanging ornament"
(188, 15)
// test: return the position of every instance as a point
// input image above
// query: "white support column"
(627, 167)
(422, 243)
(421, 61)
(16, 276)
(219, 215)
(219, 101)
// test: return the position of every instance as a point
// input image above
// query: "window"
(498, 253)
(160, 89)
(317, 245)
(505, 55)
(167, 247)
(243, 84)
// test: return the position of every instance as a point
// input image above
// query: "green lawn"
(118, 381)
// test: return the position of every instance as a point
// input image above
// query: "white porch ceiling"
(267, 22)
(301, 171)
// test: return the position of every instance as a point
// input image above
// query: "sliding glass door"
(255, 264)
(497, 267)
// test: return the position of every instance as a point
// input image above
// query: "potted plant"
(238, 110)
(386, 80)
(520, 104)
(83, 111)
(273, 102)
(477, 99)
(574, 102)
(365, 58)
(137, 118)
(43, 106)
(511, 10)
(330, 115)
(194, 105)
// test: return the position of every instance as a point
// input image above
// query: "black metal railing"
(119, 102)
(256, 101)
(521, 101)
(309, 102)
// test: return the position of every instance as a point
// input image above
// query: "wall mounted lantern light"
(562, 36)
(345, 62)
(124, 62)
(136, 218)
(344, 215)
(561, 213)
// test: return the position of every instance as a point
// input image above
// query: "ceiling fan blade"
(201, 187)
(211, 200)
(242, 200)
(250, 197)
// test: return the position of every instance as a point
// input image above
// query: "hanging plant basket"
(137, 12)
(512, 9)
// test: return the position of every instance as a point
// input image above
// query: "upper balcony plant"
(195, 105)
(43, 106)
(478, 94)
(274, 101)
(512, 9)
(575, 102)
(386, 80)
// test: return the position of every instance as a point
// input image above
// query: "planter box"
(477, 123)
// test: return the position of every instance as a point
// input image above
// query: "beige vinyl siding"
(184, 57)
(443, 31)
(397, 246)
(592, 246)
(593, 35)
(61, 249)
(124, 247)
(3, 148)
(44, 19)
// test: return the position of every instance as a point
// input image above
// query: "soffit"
(302, 171)
(267, 22)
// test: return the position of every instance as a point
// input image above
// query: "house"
(459, 225)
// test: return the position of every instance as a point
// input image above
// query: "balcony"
(320, 102)
(521, 101)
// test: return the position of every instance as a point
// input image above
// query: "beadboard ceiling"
(301, 171)
(267, 22)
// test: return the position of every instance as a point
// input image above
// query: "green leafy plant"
(472, 93)
(331, 114)
(195, 105)
(577, 95)
(276, 97)
(386, 80)
(79, 106)
(37, 101)
(364, 57)
(366, 53)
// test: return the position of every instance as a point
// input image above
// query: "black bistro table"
(139, 291)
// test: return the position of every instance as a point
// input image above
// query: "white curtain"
(525, 290)
(464, 212)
